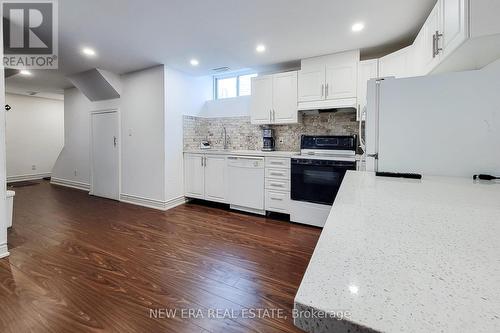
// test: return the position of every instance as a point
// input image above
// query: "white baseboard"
(4, 251)
(152, 203)
(70, 183)
(22, 178)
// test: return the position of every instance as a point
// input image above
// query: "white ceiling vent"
(220, 69)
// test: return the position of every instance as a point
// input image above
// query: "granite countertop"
(400, 255)
(243, 152)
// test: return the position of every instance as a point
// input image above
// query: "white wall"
(152, 105)
(185, 95)
(484, 17)
(73, 164)
(227, 107)
(34, 136)
(143, 138)
(3, 174)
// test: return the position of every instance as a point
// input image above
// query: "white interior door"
(105, 155)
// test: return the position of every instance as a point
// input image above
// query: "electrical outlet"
(33, 167)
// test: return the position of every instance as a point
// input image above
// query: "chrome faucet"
(224, 134)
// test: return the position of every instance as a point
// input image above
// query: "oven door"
(318, 181)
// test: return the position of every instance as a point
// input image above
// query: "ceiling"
(130, 35)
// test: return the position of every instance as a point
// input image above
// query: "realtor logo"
(30, 34)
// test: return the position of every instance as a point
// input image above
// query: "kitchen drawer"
(278, 162)
(278, 201)
(278, 173)
(277, 184)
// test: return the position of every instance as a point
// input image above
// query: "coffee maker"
(268, 139)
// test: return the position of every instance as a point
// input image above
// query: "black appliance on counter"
(268, 139)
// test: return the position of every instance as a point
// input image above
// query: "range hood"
(341, 103)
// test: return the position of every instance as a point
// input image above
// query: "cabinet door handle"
(438, 37)
(270, 116)
(202, 161)
(326, 91)
(114, 141)
(434, 46)
(205, 160)
(274, 115)
(322, 90)
(276, 199)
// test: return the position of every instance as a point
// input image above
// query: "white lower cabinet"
(278, 201)
(205, 177)
(215, 178)
(277, 185)
(194, 176)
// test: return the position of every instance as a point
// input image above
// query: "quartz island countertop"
(399, 255)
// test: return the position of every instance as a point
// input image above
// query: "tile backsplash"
(244, 136)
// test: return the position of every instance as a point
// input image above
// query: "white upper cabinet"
(426, 45)
(274, 99)
(324, 79)
(285, 98)
(396, 64)
(367, 70)
(341, 79)
(311, 83)
(261, 102)
(454, 29)
(445, 30)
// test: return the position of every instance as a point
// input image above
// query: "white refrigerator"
(446, 124)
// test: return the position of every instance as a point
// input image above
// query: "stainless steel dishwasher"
(246, 183)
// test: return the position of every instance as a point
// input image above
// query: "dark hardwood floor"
(86, 264)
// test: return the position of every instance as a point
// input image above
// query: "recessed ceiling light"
(353, 289)
(194, 62)
(88, 52)
(25, 72)
(261, 48)
(358, 27)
